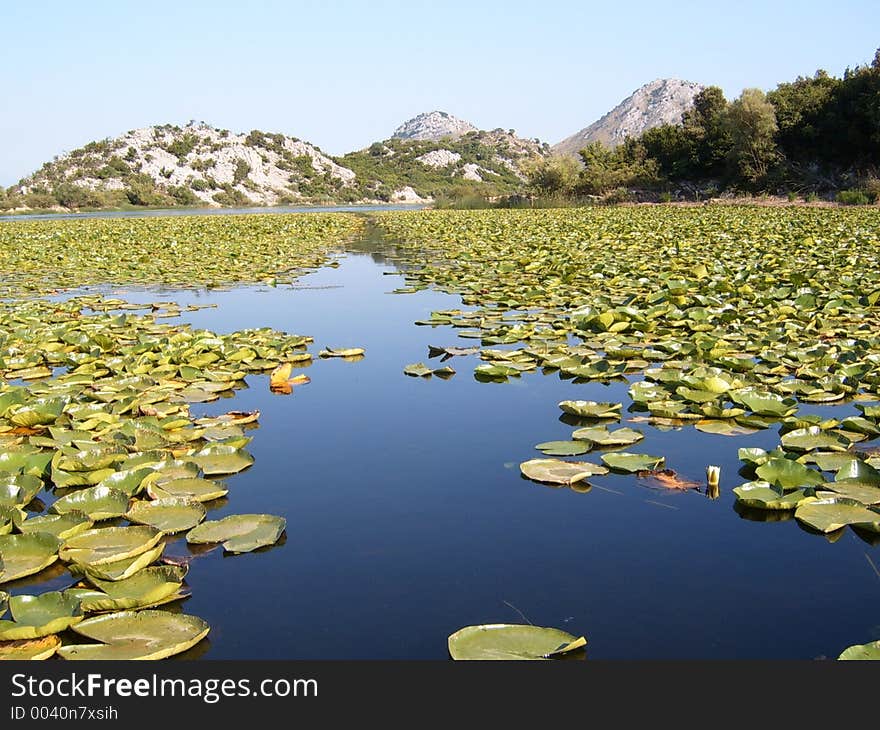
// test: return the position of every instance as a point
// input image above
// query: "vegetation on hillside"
(814, 135)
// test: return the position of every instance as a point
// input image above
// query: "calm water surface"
(407, 517)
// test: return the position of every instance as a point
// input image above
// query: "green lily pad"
(861, 652)
(221, 459)
(563, 448)
(109, 544)
(723, 427)
(601, 436)
(23, 555)
(136, 635)
(99, 503)
(119, 569)
(555, 471)
(764, 403)
(591, 409)
(197, 490)
(623, 461)
(828, 515)
(36, 616)
(61, 526)
(761, 495)
(511, 641)
(788, 474)
(18, 490)
(145, 588)
(813, 439)
(239, 533)
(169, 515)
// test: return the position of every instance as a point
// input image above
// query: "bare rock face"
(661, 102)
(433, 126)
(439, 158)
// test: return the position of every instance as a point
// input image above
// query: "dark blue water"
(407, 517)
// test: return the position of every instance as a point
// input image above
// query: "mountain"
(433, 126)
(417, 168)
(193, 165)
(661, 102)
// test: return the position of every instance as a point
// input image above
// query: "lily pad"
(623, 461)
(511, 641)
(239, 533)
(23, 555)
(861, 652)
(556, 471)
(36, 616)
(61, 526)
(119, 569)
(136, 635)
(591, 409)
(788, 474)
(99, 503)
(109, 544)
(601, 436)
(29, 649)
(222, 459)
(169, 515)
(563, 448)
(18, 490)
(197, 490)
(813, 439)
(762, 495)
(828, 515)
(342, 352)
(146, 588)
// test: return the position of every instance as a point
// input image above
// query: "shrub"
(183, 195)
(199, 184)
(242, 169)
(853, 196)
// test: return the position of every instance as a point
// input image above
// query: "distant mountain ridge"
(433, 126)
(662, 101)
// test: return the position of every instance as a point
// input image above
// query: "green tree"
(552, 175)
(751, 121)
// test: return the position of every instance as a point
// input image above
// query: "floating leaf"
(788, 474)
(666, 478)
(563, 448)
(109, 544)
(119, 569)
(63, 526)
(813, 439)
(22, 555)
(861, 652)
(591, 409)
(601, 436)
(29, 649)
(828, 515)
(511, 641)
(99, 503)
(343, 352)
(222, 459)
(168, 515)
(198, 490)
(556, 471)
(239, 533)
(36, 616)
(136, 635)
(623, 461)
(761, 495)
(148, 587)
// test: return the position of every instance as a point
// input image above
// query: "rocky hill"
(433, 126)
(661, 102)
(420, 168)
(192, 165)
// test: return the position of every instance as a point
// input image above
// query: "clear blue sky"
(344, 74)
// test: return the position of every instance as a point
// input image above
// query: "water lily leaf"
(556, 471)
(99, 503)
(109, 544)
(861, 652)
(627, 462)
(221, 459)
(342, 352)
(61, 526)
(39, 412)
(36, 616)
(239, 533)
(753, 455)
(129, 481)
(136, 635)
(601, 436)
(855, 470)
(119, 569)
(511, 641)
(169, 515)
(788, 474)
(813, 439)
(198, 490)
(4, 600)
(827, 461)
(723, 428)
(828, 515)
(145, 588)
(591, 409)
(764, 403)
(23, 555)
(29, 649)
(18, 490)
(761, 495)
(563, 448)
(10, 518)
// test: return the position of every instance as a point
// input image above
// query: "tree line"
(814, 135)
